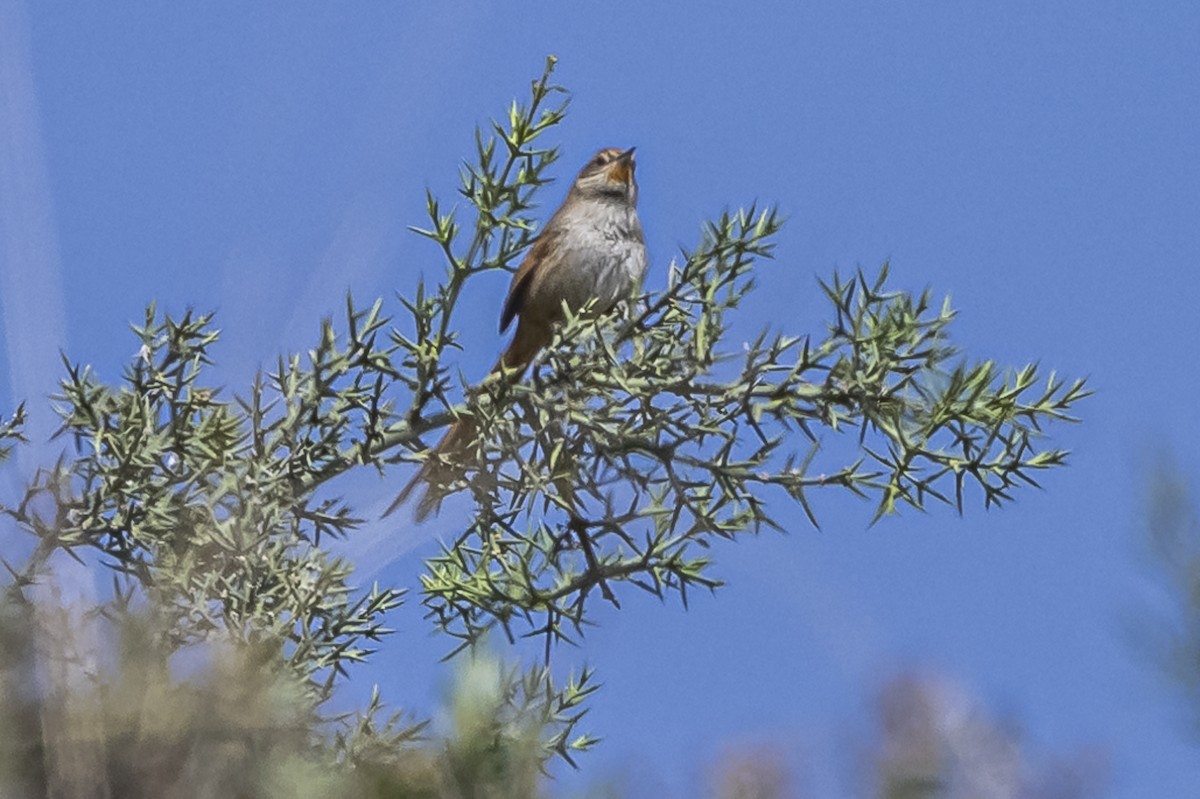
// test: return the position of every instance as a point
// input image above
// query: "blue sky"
(1039, 162)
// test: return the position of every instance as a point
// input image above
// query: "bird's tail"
(444, 462)
(450, 457)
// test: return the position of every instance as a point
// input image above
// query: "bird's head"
(609, 175)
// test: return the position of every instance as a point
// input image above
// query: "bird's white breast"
(603, 257)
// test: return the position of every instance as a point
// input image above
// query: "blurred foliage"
(1167, 630)
(638, 439)
(238, 725)
(229, 720)
(937, 742)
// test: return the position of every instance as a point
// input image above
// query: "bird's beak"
(621, 170)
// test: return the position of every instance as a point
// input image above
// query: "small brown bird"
(592, 247)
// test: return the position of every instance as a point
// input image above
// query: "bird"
(592, 250)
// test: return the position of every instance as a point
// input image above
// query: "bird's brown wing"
(525, 275)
